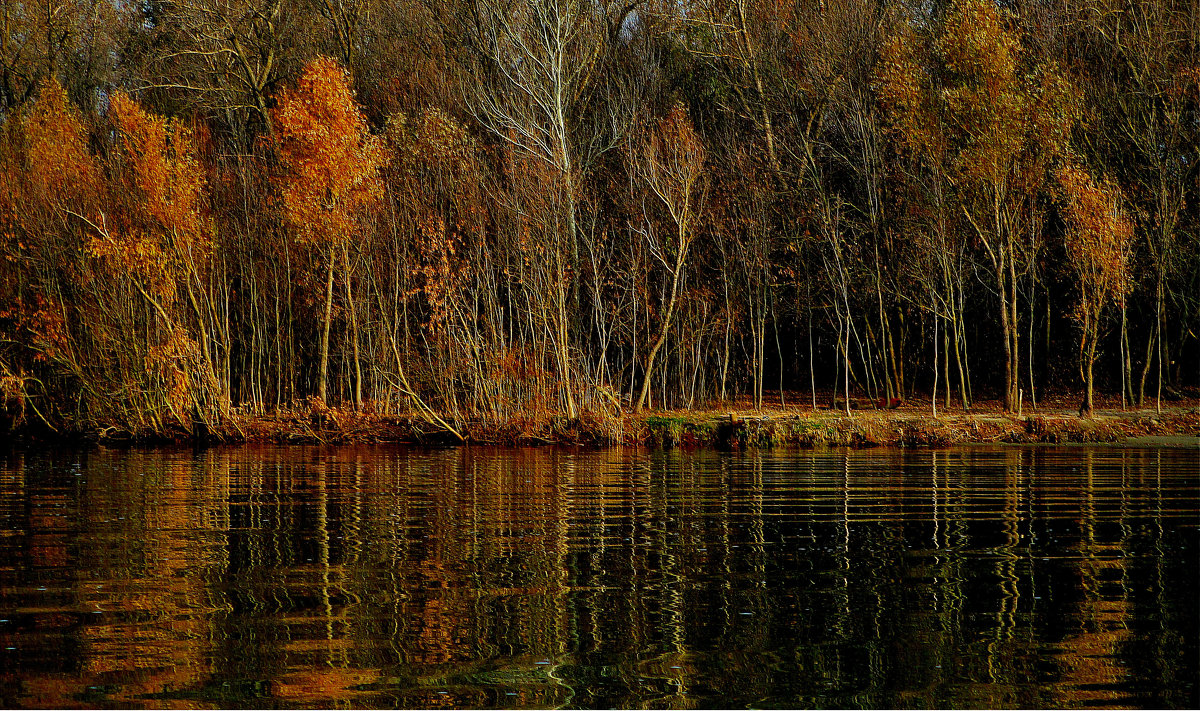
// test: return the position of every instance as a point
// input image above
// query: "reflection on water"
(259, 576)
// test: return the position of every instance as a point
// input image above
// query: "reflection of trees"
(614, 578)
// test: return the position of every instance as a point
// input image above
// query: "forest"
(491, 209)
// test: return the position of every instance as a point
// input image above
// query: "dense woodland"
(488, 209)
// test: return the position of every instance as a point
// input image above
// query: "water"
(300, 577)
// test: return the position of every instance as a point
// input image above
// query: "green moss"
(674, 431)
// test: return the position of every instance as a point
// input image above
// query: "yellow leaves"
(974, 43)
(332, 161)
(906, 100)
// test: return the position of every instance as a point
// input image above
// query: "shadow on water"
(299, 577)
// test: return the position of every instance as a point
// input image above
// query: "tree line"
(493, 209)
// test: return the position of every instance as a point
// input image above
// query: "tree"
(225, 56)
(921, 160)
(670, 163)
(1141, 71)
(1098, 241)
(157, 238)
(540, 66)
(330, 180)
(1000, 121)
(47, 176)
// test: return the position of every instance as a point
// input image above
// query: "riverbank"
(734, 426)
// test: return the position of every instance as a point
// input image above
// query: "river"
(262, 576)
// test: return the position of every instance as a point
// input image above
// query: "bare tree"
(539, 66)
(671, 165)
(226, 56)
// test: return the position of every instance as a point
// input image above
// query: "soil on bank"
(732, 425)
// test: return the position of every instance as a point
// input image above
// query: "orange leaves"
(1098, 239)
(60, 169)
(159, 158)
(112, 251)
(157, 229)
(332, 161)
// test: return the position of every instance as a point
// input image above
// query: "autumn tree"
(996, 123)
(1098, 240)
(118, 252)
(1139, 64)
(330, 180)
(921, 162)
(539, 67)
(153, 246)
(47, 177)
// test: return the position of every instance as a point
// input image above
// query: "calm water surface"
(299, 577)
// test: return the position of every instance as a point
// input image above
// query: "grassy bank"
(734, 426)
(911, 429)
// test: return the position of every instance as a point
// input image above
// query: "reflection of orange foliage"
(45, 692)
(323, 684)
(1092, 672)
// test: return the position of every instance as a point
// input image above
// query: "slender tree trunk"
(1005, 327)
(353, 328)
(846, 367)
(1124, 355)
(812, 372)
(779, 350)
(1014, 334)
(946, 367)
(1158, 322)
(1141, 399)
(680, 257)
(1091, 334)
(932, 310)
(1032, 391)
(728, 330)
(324, 358)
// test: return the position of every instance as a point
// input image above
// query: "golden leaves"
(332, 161)
(157, 230)
(159, 157)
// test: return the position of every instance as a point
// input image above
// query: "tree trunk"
(933, 400)
(680, 256)
(353, 328)
(1005, 327)
(324, 361)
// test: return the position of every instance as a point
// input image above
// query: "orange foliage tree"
(330, 180)
(994, 123)
(1098, 241)
(158, 239)
(109, 255)
(46, 174)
